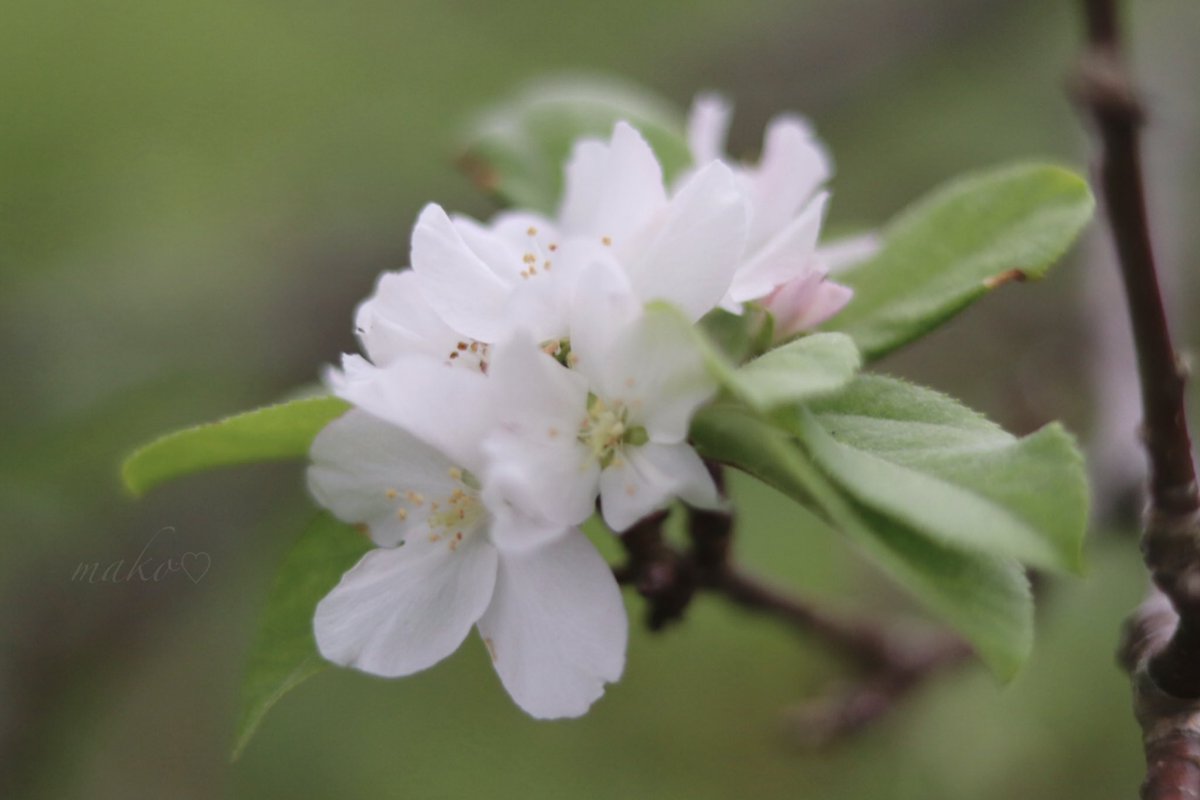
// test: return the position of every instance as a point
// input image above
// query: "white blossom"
(548, 607)
(782, 266)
(612, 420)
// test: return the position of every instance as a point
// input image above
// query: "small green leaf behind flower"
(517, 149)
(954, 245)
(272, 433)
(922, 459)
(284, 653)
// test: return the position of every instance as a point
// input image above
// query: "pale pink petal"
(806, 302)
(794, 164)
(707, 127)
(786, 256)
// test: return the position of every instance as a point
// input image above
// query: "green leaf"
(267, 434)
(284, 653)
(803, 368)
(985, 598)
(922, 459)
(517, 150)
(799, 370)
(956, 244)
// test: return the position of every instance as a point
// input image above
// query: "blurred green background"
(193, 197)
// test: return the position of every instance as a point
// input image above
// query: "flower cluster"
(514, 377)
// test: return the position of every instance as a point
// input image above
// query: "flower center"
(455, 517)
(471, 354)
(606, 430)
(450, 518)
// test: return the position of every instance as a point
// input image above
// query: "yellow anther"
(455, 473)
(607, 241)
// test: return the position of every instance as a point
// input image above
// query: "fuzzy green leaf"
(924, 460)
(284, 653)
(985, 598)
(803, 368)
(956, 244)
(271, 433)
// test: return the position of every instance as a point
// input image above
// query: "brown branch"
(1162, 646)
(888, 668)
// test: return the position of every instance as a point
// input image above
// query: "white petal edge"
(366, 471)
(446, 407)
(690, 256)
(646, 478)
(707, 127)
(401, 610)
(612, 189)
(556, 628)
(458, 285)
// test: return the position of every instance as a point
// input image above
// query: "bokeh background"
(193, 197)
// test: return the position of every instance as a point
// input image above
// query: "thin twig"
(1162, 645)
(887, 668)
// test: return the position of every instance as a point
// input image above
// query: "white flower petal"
(644, 479)
(556, 628)
(366, 471)
(602, 306)
(793, 166)
(534, 394)
(656, 370)
(513, 530)
(403, 609)
(448, 408)
(545, 475)
(707, 127)
(690, 256)
(612, 189)
(396, 321)
(458, 285)
(788, 255)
